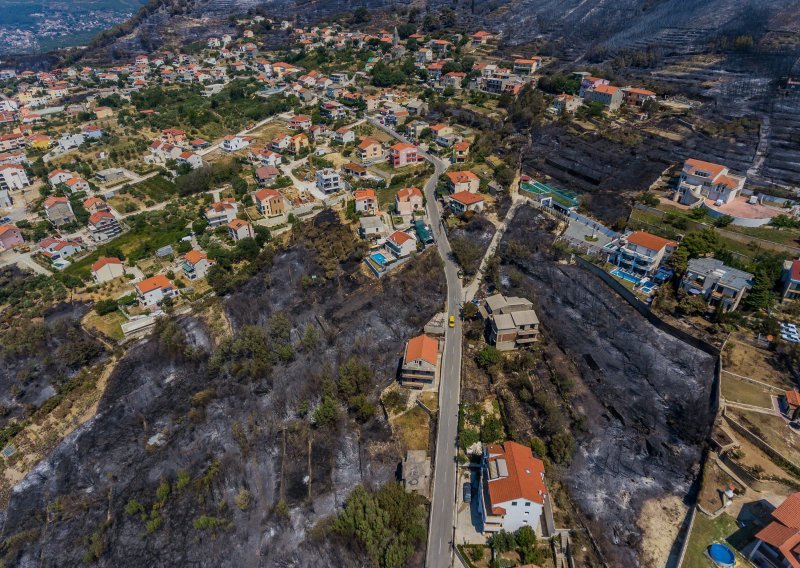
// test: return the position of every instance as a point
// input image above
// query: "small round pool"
(721, 555)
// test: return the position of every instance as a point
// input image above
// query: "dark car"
(467, 492)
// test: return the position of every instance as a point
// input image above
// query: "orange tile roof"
(461, 177)
(643, 92)
(525, 475)
(6, 228)
(461, 146)
(263, 194)
(104, 260)
(422, 347)
(647, 240)
(195, 256)
(237, 224)
(99, 216)
(788, 512)
(793, 397)
(367, 143)
(153, 283)
(364, 194)
(466, 198)
(407, 193)
(399, 238)
(50, 201)
(606, 89)
(713, 169)
(402, 146)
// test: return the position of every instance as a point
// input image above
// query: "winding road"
(445, 475)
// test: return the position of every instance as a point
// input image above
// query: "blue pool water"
(379, 258)
(625, 276)
(721, 555)
(647, 288)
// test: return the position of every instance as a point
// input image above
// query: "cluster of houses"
(598, 90)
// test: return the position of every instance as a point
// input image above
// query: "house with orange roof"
(460, 152)
(701, 180)
(154, 290)
(512, 490)
(55, 249)
(481, 38)
(463, 201)
(636, 96)
(196, 264)
(639, 253)
(95, 204)
(10, 236)
(778, 544)
(401, 244)
(103, 226)
(221, 212)
(609, 96)
(527, 66)
(464, 180)
(369, 151)
(408, 200)
(366, 201)
(297, 143)
(107, 268)
(59, 211)
(269, 202)
(300, 122)
(240, 229)
(403, 154)
(420, 362)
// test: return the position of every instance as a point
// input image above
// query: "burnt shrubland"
(252, 442)
(639, 406)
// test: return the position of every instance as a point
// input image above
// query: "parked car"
(467, 492)
(452, 322)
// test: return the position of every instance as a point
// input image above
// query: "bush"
(488, 357)
(104, 307)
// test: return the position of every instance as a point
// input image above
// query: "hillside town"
(152, 187)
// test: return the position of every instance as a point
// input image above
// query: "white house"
(59, 176)
(152, 291)
(232, 143)
(107, 268)
(328, 180)
(194, 160)
(13, 177)
(512, 492)
(401, 244)
(196, 264)
(221, 212)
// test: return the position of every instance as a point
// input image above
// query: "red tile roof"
(788, 512)
(462, 176)
(422, 347)
(713, 169)
(793, 398)
(525, 475)
(466, 198)
(104, 260)
(153, 283)
(652, 242)
(195, 256)
(399, 238)
(407, 193)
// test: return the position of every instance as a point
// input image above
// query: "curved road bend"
(445, 481)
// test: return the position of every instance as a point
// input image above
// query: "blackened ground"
(645, 394)
(37, 358)
(258, 476)
(470, 241)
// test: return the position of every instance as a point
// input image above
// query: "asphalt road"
(445, 475)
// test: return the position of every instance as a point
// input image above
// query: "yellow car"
(452, 321)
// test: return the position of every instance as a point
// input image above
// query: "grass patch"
(413, 428)
(708, 531)
(109, 324)
(156, 188)
(745, 392)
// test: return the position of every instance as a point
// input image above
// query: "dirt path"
(660, 521)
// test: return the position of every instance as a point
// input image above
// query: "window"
(527, 503)
(513, 503)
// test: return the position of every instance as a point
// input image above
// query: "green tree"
(503, 541)
(488, 356)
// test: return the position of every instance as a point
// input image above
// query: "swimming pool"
(625, 276)
(379, 258)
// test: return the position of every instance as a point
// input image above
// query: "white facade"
(13, 177)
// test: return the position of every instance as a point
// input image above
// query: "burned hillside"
(250, 442)
(644, 394)
(38, 358)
